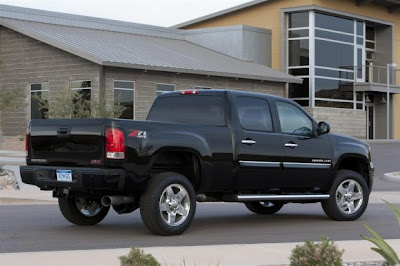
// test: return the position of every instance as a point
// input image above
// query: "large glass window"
(299, 54)
(334, 23)
(163, 87)
(39, 93)
(298, 20)
(254, 114)
(124, 94)
(332, 54)
(325, 56)
(331, 89)
(293, 120)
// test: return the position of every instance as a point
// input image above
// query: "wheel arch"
(356, 163)
(183, 160)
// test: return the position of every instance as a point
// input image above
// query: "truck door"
(259, 147)
(307, 158)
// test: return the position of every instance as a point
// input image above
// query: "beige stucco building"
(341, 48)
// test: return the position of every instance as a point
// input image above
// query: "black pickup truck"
(207, 145)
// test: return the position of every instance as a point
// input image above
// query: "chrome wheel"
(174, 204)
(349, 196)
(88, 207)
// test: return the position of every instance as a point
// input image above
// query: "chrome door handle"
(291, 145)
(248, 141)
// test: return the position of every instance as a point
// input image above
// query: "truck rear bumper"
(83, 179)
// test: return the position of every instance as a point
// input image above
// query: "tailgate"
(74, 142)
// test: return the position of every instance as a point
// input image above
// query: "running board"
(252, 197)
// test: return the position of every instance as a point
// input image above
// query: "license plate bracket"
(64, 175)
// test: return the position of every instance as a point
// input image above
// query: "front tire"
(82, 211)
(349, 196)
(168, 205)
(263, 207)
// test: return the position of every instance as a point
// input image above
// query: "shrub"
(317, 254)
(8, 98)
(76, 105)
(136, 257)
(384, 249)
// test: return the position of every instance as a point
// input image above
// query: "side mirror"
(323, 128)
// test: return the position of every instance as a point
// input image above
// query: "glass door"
(370, 109)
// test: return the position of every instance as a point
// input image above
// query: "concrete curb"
(392, 177)
(382, 141)
(234, 254)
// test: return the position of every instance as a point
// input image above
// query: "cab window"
(293, 120)
(254, 114)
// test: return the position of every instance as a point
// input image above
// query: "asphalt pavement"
(221, 234)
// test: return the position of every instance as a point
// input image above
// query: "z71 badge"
(137, 134)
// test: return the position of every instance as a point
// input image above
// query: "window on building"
(83, 87)
(162, 87)
(254, 114)
(124, 94)
(82, 91)
(299, 55)
(370, 38)
(39, 92)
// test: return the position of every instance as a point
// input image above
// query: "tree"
(72, 104)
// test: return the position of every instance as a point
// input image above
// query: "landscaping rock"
(369, 263)
(8, 180)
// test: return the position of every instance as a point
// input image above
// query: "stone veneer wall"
(26, 60)
(347, 122)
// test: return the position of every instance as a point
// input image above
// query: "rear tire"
(82, 211)
(349, 197)
(168, 205)
(263, 207)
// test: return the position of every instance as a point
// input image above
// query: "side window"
(293, 120)
(254, 114)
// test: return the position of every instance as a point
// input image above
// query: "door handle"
(291, 145)
(248, 141)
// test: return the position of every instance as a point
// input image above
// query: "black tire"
(71, 212)
(342, 183)
(263, 207)
(158, 206)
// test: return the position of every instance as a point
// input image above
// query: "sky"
(154, 12)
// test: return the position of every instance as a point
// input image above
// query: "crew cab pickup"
(198, 146)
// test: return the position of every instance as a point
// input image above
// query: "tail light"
(115, 144)
(189, 92)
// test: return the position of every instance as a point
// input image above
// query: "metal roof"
(122, 49)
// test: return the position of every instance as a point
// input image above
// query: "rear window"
(189, 109)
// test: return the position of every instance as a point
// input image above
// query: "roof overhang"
(391, 5)
(370, 87)
(202, 72)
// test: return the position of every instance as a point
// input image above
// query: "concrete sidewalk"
(254, 254)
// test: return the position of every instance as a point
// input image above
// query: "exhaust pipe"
(116, 200)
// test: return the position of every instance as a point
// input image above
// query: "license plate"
(64, 175)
